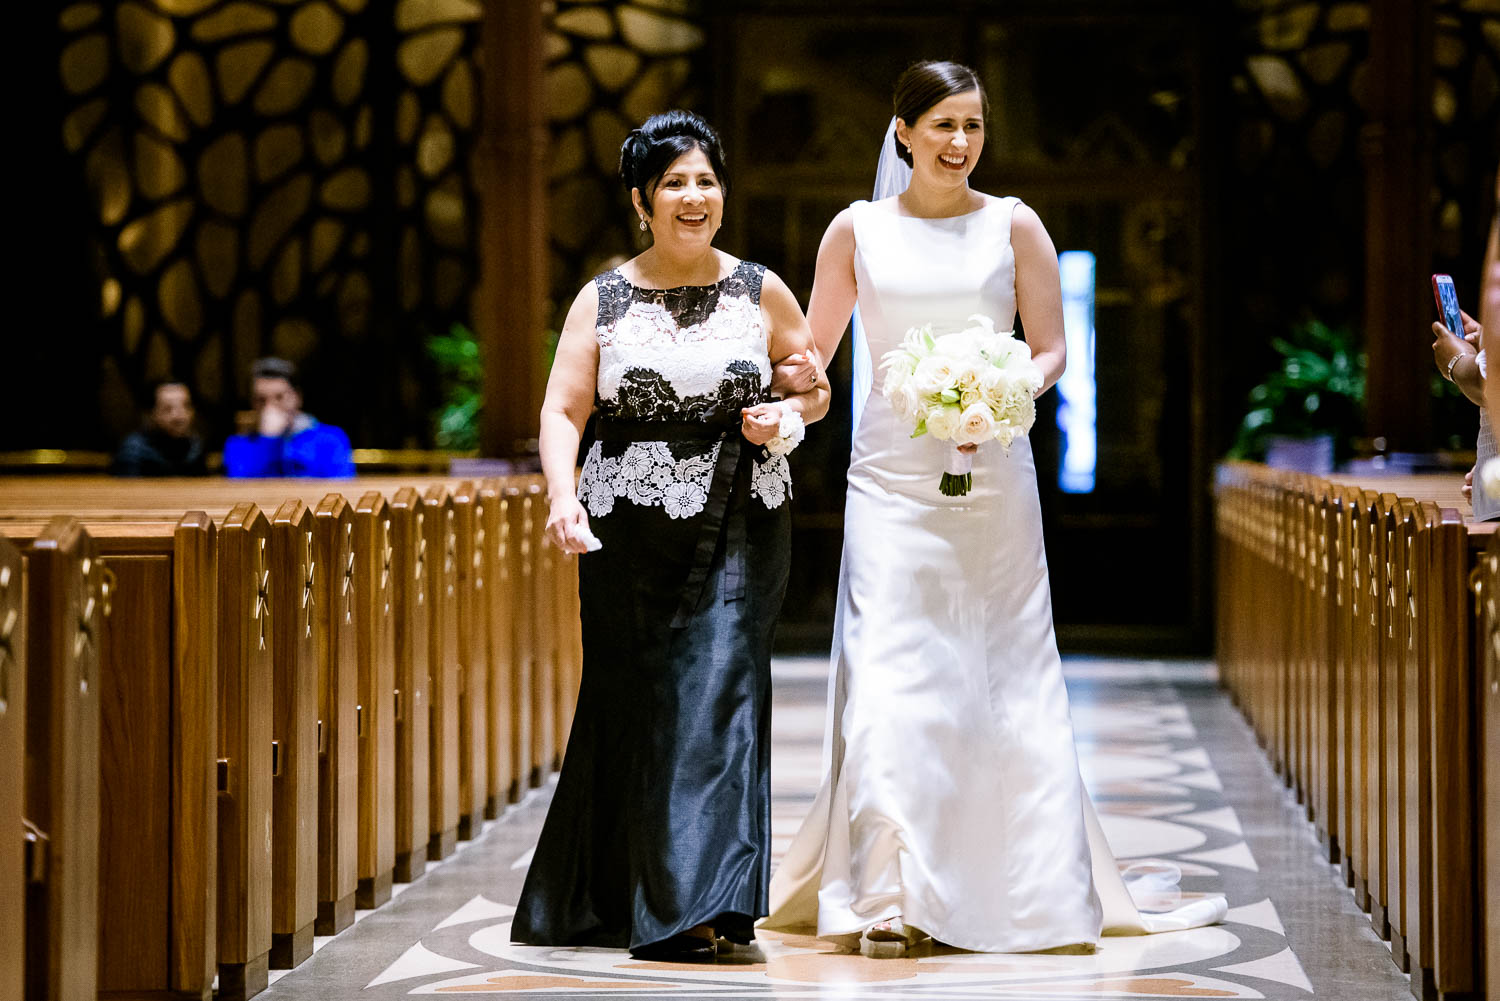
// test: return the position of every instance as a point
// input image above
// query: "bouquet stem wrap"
(958, 474)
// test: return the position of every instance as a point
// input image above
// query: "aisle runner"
(1159, 798)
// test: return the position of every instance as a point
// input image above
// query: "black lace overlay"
(689, 305)
(647, 395)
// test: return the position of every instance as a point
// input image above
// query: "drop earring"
(643, 225)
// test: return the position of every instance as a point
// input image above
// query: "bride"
(953, 807)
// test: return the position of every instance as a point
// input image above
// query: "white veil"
(892, 175)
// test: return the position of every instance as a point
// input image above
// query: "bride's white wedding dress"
(953, 797)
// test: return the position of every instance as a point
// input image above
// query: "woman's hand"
(1447, 345)
(564, 520)
(760, 423)
(796, 373)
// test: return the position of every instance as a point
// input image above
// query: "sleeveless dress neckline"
(679, 288)
(989, 203)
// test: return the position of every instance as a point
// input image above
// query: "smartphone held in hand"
(1446, 297)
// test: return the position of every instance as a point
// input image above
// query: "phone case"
(1446, 297)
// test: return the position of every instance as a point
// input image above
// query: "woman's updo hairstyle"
(925, 84)
(649, 150)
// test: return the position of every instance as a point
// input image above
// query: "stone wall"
(611, 65)
(292, 178)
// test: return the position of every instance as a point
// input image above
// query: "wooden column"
(510, 306)
(1396, 144)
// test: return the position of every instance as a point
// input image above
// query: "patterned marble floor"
(1175, 774)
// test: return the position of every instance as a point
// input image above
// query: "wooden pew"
(518, 638)
(65, 610)
(13, 874)
(374, 553)
(411, 628)
(1378, 520)
(1401, 653)
(541, 596)
(294, 726)
(1487, 592)
(338, 683)
(1373, 700)
(472, 659)
(157, 818)
(518, 560)
(1455, 904)
(442, 680)
(245, 761)
(500, 645)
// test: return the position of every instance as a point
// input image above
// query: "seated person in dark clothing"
(166, 444)
(286, 441)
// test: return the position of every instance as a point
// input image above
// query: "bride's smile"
(946, 141)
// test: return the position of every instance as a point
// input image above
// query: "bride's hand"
(796, 373)
(969, 449)
(759, 424)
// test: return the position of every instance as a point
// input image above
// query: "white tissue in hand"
(580, 534)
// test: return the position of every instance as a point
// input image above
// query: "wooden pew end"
(240, 981)
(442, 844)
(291, 949)
(1398, 951)
(373, 891)
(334, 915)
(410, 865)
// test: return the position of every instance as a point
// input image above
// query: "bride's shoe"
(891, 939)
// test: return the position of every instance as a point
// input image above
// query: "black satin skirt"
(661, 820)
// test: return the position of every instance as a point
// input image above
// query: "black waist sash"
(715, 508)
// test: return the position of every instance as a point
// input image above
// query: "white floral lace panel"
(646, 473)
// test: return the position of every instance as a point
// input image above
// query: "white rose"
(933, 375)
(994, 384)
(976, 424)
(966, 376)
(943, 421)
(905, 401)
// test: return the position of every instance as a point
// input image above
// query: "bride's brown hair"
(925, 84)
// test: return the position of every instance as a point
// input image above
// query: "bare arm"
(1039, 294)
(1447, 346)
(565, 410)
(834, 289)
(790, 334)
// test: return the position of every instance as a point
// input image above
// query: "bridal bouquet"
(968, 387)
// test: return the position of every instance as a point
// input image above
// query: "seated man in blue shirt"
(287, 441)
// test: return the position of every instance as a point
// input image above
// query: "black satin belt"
(715, 508)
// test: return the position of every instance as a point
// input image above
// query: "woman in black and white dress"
(658, 837)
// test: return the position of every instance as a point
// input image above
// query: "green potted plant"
(456, 356)
(1305, 413)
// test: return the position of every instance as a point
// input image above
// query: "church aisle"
(1176, 776)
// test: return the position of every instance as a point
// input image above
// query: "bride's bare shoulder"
(842, 226)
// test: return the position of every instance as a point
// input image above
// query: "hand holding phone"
(1446, 297)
